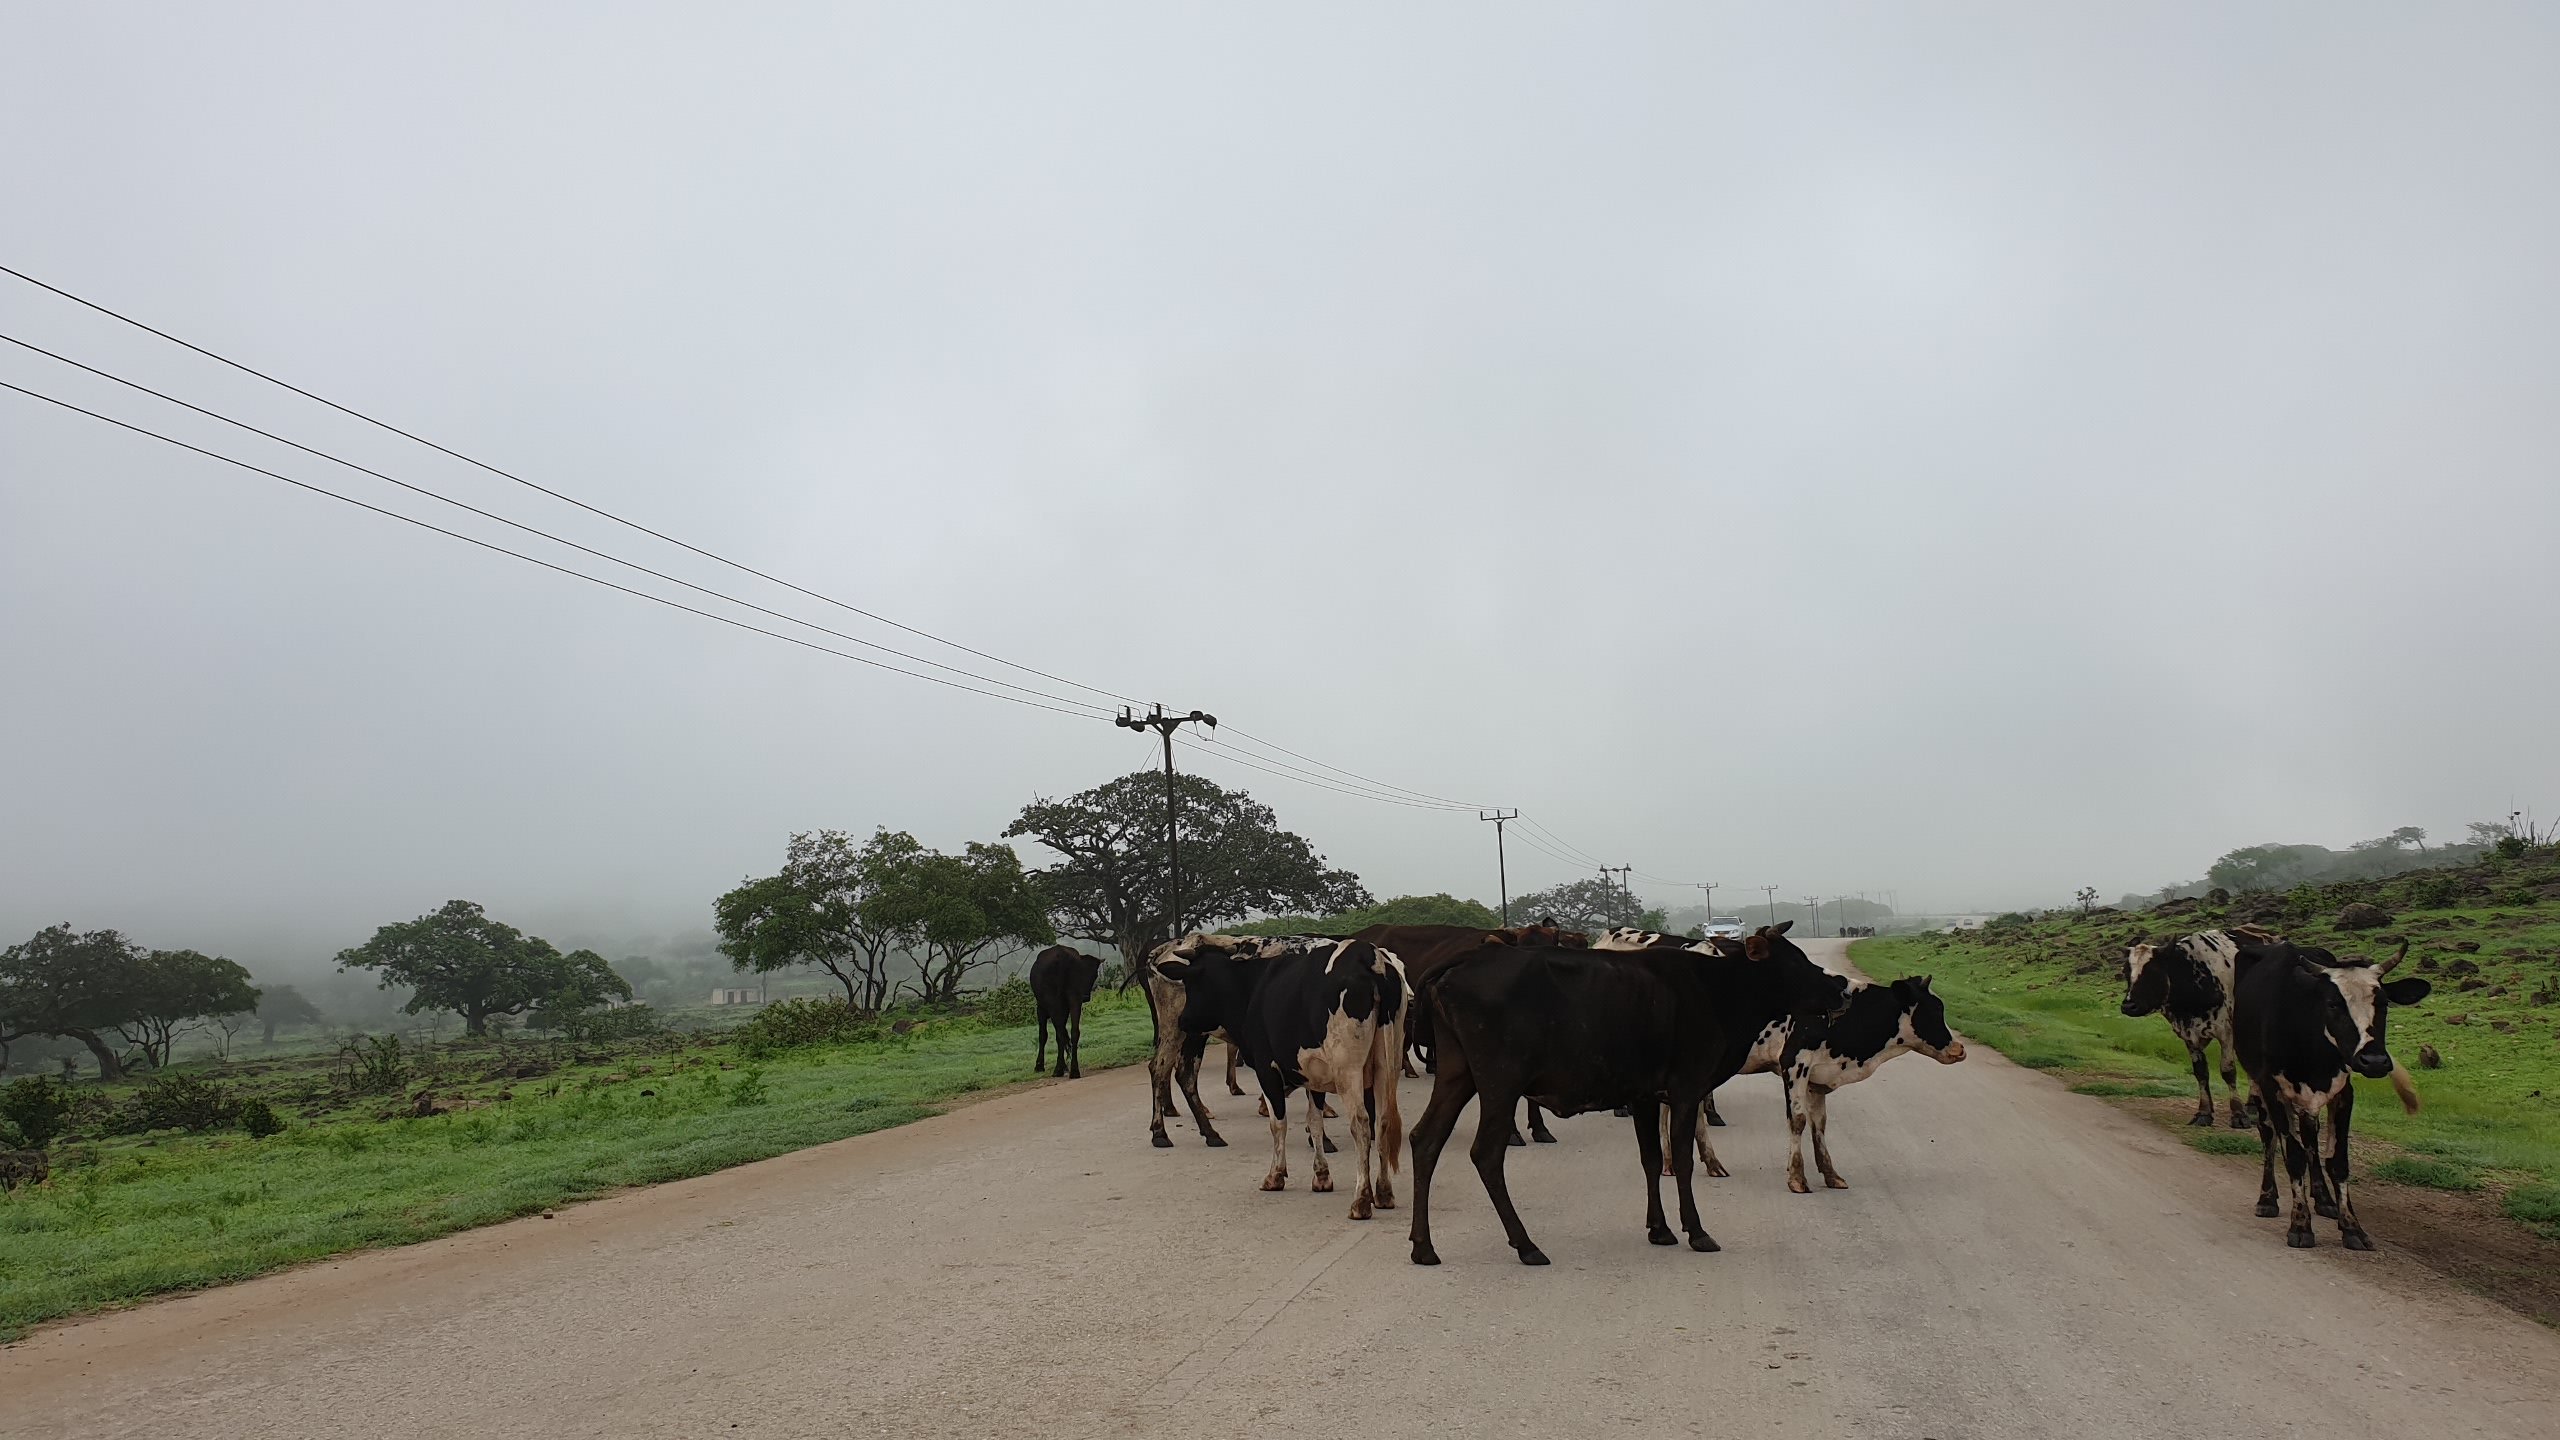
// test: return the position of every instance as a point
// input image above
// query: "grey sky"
(1970, 450)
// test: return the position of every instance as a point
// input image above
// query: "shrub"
(2435, 892)
(180, 1102)
(797, 1024)
(750, 1089)
(2424, 1170)
(259, 1119)
(1009, 1003)
(36, 1110)
(2013, 920)
(373, 1065)
(625, 1022)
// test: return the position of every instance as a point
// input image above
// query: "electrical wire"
(530, 559)
(1112, 695)
(441, 498)
(1304, 778)
(1355, 775)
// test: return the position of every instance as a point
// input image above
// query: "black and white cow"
(2188, 981)
(1820, 1056)
(2307, 1021)
(1168, 1068)
(1317, 1013)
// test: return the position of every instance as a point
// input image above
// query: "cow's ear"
(1920, 983)
(2406, 992)
(1782, 927)
(1757, 947)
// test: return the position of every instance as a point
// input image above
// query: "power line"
(530, 559)
(442, 498)
(1114, 696)
(1355, 775)
(1303, 777)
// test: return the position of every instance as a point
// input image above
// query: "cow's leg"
(1232, 1054)
(2204, 1085)
(1451, 1088)
(2350, 1230)
(1707, 1157)
(1514, 1138)
(1538, 1130)
(1277, 1178)
(1320, 1110)
(2231, 1081)
(1795, 1136)
(1817, 1105)
(1666, 1140)
(2323, 1204)
(1685, 1132)
(1074, 1040)
(2300, 1149)
(1649, 1155)
(1487, 1151)
(1364, 1129)
(1317, 1142)
(2267, 1144)
(1160, 1068)
(1713, 1118)
(1040, 1051)
(1188, 1075)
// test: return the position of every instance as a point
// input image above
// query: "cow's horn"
(2402, 954)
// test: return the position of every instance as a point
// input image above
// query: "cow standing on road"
(2189, 982)
(1062, 980)
(1426, 949)
(1882, 1021)
(1589, 1029)
(1320, 1014)
(1169, 1067)
(2306, 1022)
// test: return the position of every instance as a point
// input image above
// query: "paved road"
(2013, 1261)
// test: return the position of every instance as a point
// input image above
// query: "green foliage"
(165, 990)
(960, 907)
(260, 1119)
(2536, 1205)
(750, 1089)
(1402, 910)
(799, 1023)
(73, 986)
(2009, 920)
(1236, 861)
(179, 1102)
(1010, 1003)
(1590, 905)
(2425, 1170)
(2511, 847)
(282, 1005)
(373, 1065)
(2119, 1089)
(623, 1022)
(37, 1110)
(827, 908)
(2225, 1142)
(459, 959)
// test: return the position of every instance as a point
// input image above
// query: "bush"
(259, 1119)
(797, 1024)
(179, 1102)
(373, 1065)
(1009, 1003)
(35, 1111)
(626, 1022)
(2422, 1170)
(2013, 920)
(2434, 892)
(750, 1089)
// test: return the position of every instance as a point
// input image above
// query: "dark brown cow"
(1427, 949)
(1062, 980)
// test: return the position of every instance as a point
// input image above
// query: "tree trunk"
(475, 1022)
(109, 1067)
(271, 1030)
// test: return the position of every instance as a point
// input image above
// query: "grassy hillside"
(2045, 993)
(516, 1132)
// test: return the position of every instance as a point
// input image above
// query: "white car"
(1728, 926)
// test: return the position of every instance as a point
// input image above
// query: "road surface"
(2013, 1261)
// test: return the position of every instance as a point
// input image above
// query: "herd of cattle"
(1649, 1026)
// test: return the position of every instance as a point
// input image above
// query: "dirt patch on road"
(2461, 1235)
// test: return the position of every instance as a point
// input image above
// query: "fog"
(1967, 451)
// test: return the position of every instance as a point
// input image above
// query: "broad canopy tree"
(1589, 905)
(459, 959)
(172, 990)
(956, 909)
(83, 985)
(1109, 887)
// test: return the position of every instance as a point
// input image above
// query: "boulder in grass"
(2360, 916)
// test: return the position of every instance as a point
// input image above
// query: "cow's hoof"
(1714, 1119)
(1796, 1184)
(1516, 1140)
(1532, 1255)
(1834, 1182)
(1330, 1148)
(2242, 1122)
(1361, 1209)
(2300, 1239)
(1423, 1254)
(1661, 1235)
(1704, 1243)
(1330, 1113)
(2355, 1239)
(1162, 1141)
(1542, 1137)
(1275, 1182)
(2267, 1210)
(1718, 1172)
(1235, 1089)
(2325, 1209)
(1214, 1140)
(1262, 1108)
(2201, 1118)
(1323, 1185)
(1666, 1170)
(1386, 1200)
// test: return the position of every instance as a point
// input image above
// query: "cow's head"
(2355, 1007)
(1924, 1021)
(1813, 993)
(2146, 979)
(1206, 967)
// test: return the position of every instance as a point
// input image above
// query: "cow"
(2188, 982)
(1820, 1056)
(1628, 937)
(2306, 1021)
(1168, 1066)
(1062, 980)
(1586, 1029)
(1426, 948)
(1317, 1013)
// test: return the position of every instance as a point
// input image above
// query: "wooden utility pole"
(1164, 725)
(1501, 866)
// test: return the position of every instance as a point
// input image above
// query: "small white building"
(736, 997)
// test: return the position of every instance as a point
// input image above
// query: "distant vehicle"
(1728, 926)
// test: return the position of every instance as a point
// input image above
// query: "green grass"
(2045, 995)
(130, 1218)
(2225, 1142)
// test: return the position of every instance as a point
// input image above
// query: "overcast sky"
(1971, 451)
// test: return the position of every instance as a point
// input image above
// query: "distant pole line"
(1164, 725)
(1501, 865)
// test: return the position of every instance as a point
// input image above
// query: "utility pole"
(1165, 725)
(1771, 892)
(1501, 866)
(1813, 908)
(1710, 888)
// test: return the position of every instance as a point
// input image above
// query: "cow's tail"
(1386, 1071)
(2404, 1087)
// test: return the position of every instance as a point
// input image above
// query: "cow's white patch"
(2358, 988)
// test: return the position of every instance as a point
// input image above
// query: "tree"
(73, 986)
(579, 982)
(2087, 899)
(284, 1005)
(170, 990)
(1109, 887)
(959, 907)
(2268, 867)
(1593, 905)
(459, 959)
(1402, 910)
(824, 909)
